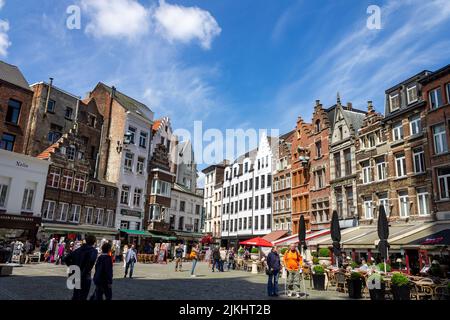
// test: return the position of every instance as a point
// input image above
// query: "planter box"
(378, 294)
(355, 288)
(319, 281)
(401, 292)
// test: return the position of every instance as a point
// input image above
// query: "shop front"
(76, 232)
(18, 227)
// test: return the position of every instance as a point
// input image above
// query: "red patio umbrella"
(258, 242)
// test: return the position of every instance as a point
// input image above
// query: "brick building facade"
(15, 105)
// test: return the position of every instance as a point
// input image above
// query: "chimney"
(369, 106)
(317, 103)
(338, 99)
(349, 106)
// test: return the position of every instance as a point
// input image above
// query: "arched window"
(317, 125)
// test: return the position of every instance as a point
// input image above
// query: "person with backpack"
(84, 257)
(293, 262)
(273, 271)
(194, 258)
(104, 274)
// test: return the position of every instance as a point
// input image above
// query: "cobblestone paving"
(150, 282)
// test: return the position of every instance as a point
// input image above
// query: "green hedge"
(399, 279)
(254, 250)
(324, 252)
(319, 270)
(381, 267)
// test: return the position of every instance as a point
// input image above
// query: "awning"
(188, 235)
(294, 238)
(161, 236)
(425, 236)
(275, 235)
(78, 229)
(136, 232)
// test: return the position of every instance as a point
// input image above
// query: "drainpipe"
(76, 114)
(108, 133)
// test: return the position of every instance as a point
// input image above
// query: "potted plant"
(377, 287)
(381, 267)
(355, 284)
(354, 265)
(400, 287)
(324, 256)
(254, 254)
(318, 277)
(241, 252)
(315, 260)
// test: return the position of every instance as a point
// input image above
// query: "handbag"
(269, 271)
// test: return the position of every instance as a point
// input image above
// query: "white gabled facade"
(133, 172)
(247, 195)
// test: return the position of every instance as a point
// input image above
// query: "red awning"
(258, 242)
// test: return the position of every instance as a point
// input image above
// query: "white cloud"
(4, 39)
(116, 18)
(185, 24)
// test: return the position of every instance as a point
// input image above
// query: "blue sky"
(232, 64)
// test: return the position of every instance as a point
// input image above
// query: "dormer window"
(394, 101)
(412, 94)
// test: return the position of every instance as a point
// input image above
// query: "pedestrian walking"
(60, 253)
(223, 258)
(104, 274)
(130, 260)
(194, 258)
(178, 257)
(293, 262)
(231, 256)
(216, 259)
(273, 272)
(28, 249)
(84, 257)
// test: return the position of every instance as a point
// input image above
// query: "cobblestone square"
(150, 282)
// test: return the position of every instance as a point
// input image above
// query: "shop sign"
(130, 213)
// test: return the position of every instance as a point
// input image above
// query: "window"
(241, 187)
(262, 223)
(348, 162)
(403, 204)
(262, 201)
(269, 180)
(318, 149)
(182, 206)
(256, 202)
(422, 202)
(419, 160)
(70, 153)
(128, 165)
(27, 200)
(412, 94)
(137, 197)
(444, 183)
(371, 140)
(250, 184)
(63, 210)
(394, 100)
(98, 217)
(48, 210)
(79, 183)
(256, 183)
(397, 131)
(400, 165)
(124, 195)
(269, 200)
(143, 139)
(339, 204)
(366, 171)
(75, 213)
(53, 136)
(246, 167)
(440, 139)
(67, 180)
(89, 215)
(448, 92)
(368, 213)
(263, 182)
(102, 192)
(7, 142)
(337, 164)
(68, 114)
(383, 201)
(13, 112)
(140, 165)
(53, 177)
(256, 223)
(109, 218)
(415, 125)
(349, 196)
(132, 134)
(51, 106)
(435, 98)
(318, 126)
(240, 205)
(124, 224)
(381, 168)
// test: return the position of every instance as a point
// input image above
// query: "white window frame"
(28, 199)
(446, 185)
(440, 139)
(366, 173)
(98, 217)
(385, 203)
(128, 162)
(420, 156)
(402, 161)
(79, 183)
(63, 211)
(415, 122)
(48, 204)
(140, 165)
(143, 135)
(397, 129)
(403, 203)
(4, 194)
(88, 218)
(67, 178)
(414, 87)
(55, 177)
(368, 209)
(392, 97)
(137, 197)
(437, 97)
(71, 152)
(423, 203)
(381, 168)
(109, 218)
(125, 195)
(75, 213)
